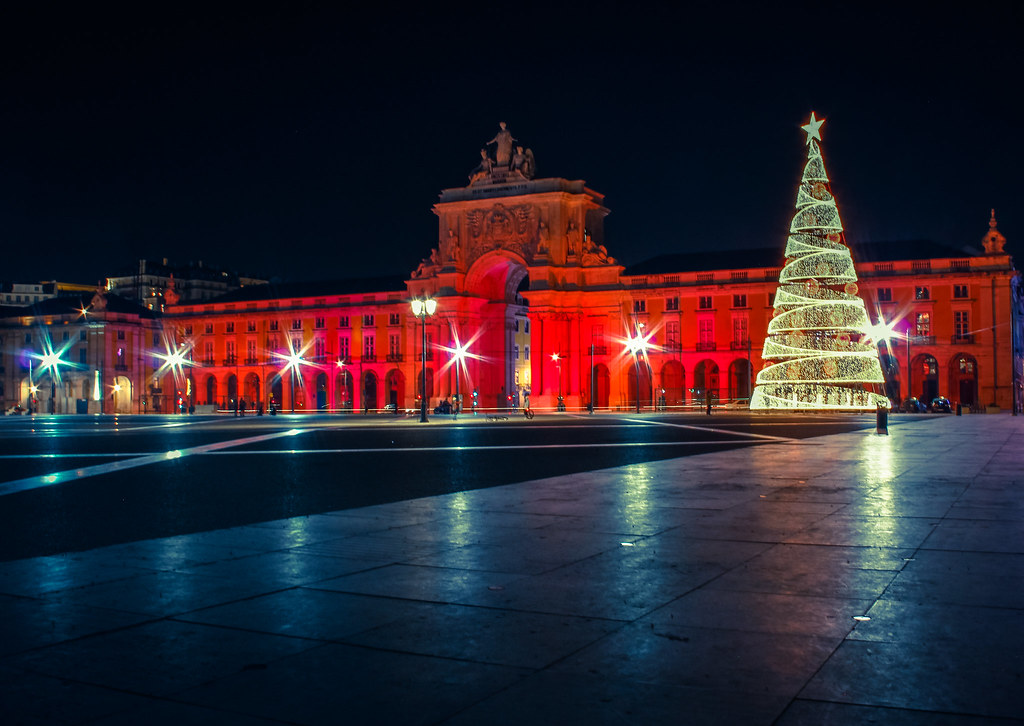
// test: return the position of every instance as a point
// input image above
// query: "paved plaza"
(846, 579)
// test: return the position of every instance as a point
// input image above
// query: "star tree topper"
(813, 128)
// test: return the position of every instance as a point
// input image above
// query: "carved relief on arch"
(500, 227)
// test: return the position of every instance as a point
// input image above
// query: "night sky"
(310, 143)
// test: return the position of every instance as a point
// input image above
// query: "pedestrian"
(259, 408)
(709, 405)
(241, 407)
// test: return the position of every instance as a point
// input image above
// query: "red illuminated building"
(523, 281)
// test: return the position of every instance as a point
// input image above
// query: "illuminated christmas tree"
(816, 353)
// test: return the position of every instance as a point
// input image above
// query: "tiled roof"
(73, 303)
(775, 257)
(318, 288)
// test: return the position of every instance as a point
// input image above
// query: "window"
(368, 321)
(393, 319)
(274, 325)
(960, 291)
(515, 352)
(771, 299)
(120, 335)
(188, 330)
(296, 324)
(319, 349)
(672, 336)
(517, 325)
(343, 350)
(296, 345)
(885, 294)
(273, 344)
(343, 321)
(250, 326)
(229, 327)
(229, 353)
(250, 352)
(82, 352)
(526, 353)
(81, 335)
(65, 335)
(208, 353)
(704, 302)
(394, 342)
(739, 333)
(922, 293)
(671, 303)
(526, 328)
(639, 306)
(368, 347)
(961, 324)
(208, 329)
(319, 323)
(28, 338)
(739, 301)
(924, 324)
(706, 332)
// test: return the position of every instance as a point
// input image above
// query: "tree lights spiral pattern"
(816, 354)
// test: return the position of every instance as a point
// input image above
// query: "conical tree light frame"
(816, 353)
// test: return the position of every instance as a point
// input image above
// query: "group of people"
(241, 408)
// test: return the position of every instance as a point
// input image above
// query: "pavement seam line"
(60, 477)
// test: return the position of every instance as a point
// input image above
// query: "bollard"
(882, 421)
(959, 409)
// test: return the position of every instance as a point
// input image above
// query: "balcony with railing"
(922, 340)
(251, 360)
(230, 360)
(739, 344)
(706, 345)
(962, 338)
(430, 355)
(394, 358)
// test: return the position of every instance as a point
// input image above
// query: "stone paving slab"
(847, 579)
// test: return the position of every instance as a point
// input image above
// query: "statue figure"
(572, 237)
(433, 257)
(483, 169)
(449, 246)
(504, 141)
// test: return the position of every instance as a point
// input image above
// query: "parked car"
(940, 405)
(912, 405)
(15, 410)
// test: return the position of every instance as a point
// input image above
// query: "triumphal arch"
(519, 270)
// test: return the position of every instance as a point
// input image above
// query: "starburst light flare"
(816, 353)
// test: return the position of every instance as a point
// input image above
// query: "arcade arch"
(963, 379)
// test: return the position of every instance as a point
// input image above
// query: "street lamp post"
(422, 309)
(590, 404)
(637, 345)
(558, 365)
(910, 372)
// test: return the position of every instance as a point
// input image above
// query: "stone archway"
(644, 393)
(963, 379)
(320, 384)
(232, 399)
(926, 377)
(602, 385)
(121, 395)
(494, 281)
(343, 391)
(369, 390)
(673, 381)
(739, 379)
(211, 390)
(705, 381)
(251, 389)
(394, 388)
